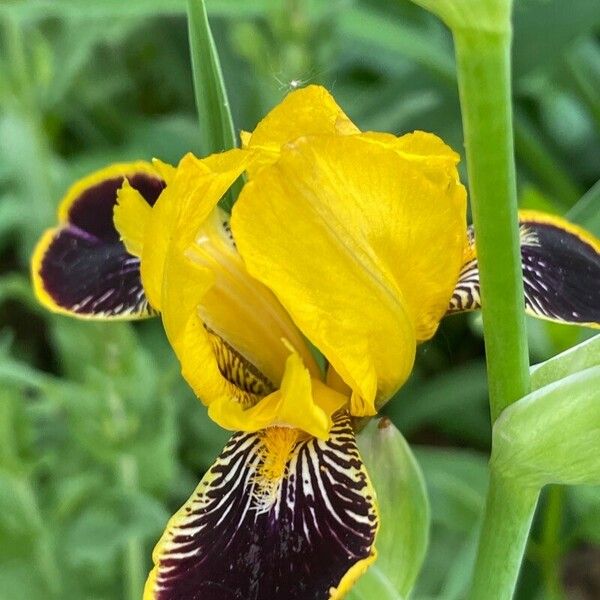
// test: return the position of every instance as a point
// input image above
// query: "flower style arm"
(82, 267)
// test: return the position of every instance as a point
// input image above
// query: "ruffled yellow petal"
(427, 147)
(245, 138)
(163, 220)
(231, 304)
(307, 111)
(431, 155)
(369, 258)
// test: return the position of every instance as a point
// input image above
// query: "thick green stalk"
(483, 60)
(508, 514)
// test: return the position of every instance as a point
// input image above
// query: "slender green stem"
(483, 60)
(550, 546)
(508, 513)
(134, 551)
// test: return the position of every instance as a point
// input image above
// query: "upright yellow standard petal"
(308, 111)
(364, 248)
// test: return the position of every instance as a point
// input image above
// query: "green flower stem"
(127, 477)
(508, 515)
(483, 61)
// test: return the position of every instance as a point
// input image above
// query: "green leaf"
(580, 357)
(543, 30)
(584, 504)
(455, 402)
(586, 212)
(132, 8)
(460, 570)
(404, 513)
(398, 38)
(216, 123)
(101, 531)
(456, 483)
(16, 506)
(19, 580)
(552, 435)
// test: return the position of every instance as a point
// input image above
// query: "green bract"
(403, 506)
(580, 357)
(553, 434)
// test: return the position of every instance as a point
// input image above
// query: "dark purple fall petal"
(226, 544)
(90, 276)
(85, 269)
(92, 211)
(561, 274)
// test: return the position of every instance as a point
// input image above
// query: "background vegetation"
(100, 440)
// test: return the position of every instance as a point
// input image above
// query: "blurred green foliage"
(100, 440)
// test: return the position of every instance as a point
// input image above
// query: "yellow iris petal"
(160, 227)
(300, 402)
(165, 170)
(193, 190)
(131, 216)
(374, 255)
(308, 111)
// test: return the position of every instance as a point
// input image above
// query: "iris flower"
(352, 243)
